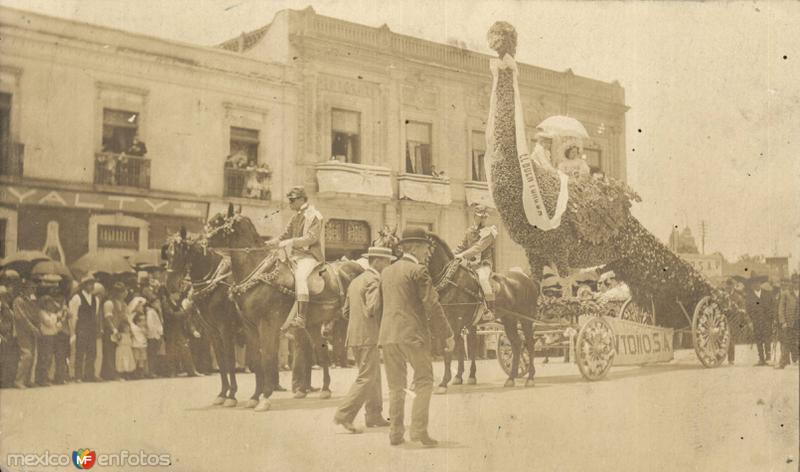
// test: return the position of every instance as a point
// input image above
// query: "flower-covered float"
(571, 223)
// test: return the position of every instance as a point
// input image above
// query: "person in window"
(573, 165)
(137, 147)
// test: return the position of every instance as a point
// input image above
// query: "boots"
(490, 315)
(299, 321)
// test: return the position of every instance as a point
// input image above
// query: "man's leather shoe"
(425, 440)
(347, 425)
(377, 423)
(396, 441)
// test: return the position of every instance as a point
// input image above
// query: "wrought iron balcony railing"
(121, 169)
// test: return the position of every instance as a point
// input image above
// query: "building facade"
(382, 129)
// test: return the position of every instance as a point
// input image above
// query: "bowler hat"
(375, 251)
(296, 192)
(50, 280)
(414, 234)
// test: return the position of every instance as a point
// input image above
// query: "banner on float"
(636, 343)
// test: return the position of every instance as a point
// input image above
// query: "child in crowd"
(125, 362)
(139, 334)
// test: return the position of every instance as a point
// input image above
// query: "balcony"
(341, 177)
(11, 158)
(478, 192)
(424, 188)
(121, 170)
(252, 183)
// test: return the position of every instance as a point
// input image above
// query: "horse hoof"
(509, 383)
(325, 394)
(440, 390)
(299, 395)
(458, 381)
(263, 405)
(218, 401)
(529, 383)
(251, 403)
(230, 402)
(471, 381)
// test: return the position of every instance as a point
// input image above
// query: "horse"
(210, 277)
(461, 297)
(263, 291)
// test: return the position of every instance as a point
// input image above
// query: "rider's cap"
(414, 235)
(375, 251)
(297, 192)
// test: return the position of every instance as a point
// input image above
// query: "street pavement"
(676, 416)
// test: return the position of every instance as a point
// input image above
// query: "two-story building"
(381, 128)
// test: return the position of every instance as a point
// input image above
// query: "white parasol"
(559, 125)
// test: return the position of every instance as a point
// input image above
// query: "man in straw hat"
(761, 309)
(411, 314)
(86, 328)
(303, 236)
(789, 320)
(362, 308)
(476, 250)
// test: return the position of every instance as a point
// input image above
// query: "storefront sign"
(18, 195)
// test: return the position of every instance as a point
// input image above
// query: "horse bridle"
(445, 278)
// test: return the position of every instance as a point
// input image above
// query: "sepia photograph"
(412, 235)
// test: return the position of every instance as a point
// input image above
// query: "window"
(118, 237)
(478, 153)
(418, 148)
(243, 147)
(345, 136)
(119, 128)
(594, 158)
(348, 238)
(3, 224)
(5, 117)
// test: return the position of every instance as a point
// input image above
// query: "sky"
(713, 88)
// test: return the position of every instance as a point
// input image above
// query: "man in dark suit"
(411, 314)
(85, 328)
(789, 320)
(362, 308)
(761, 309)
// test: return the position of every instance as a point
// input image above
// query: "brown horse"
(263, 290)
(461, 297)
(210, 276)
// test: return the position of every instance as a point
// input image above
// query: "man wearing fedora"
(85, 325)
(302, 238)
(362, 308)
(760, 308)
(789, 320)
(475, 250)
(26, 318)
(411, 314)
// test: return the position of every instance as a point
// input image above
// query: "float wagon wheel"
(594, 349)
(505, 355)
(710, 333)
(632, 311)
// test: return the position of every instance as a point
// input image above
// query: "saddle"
(323, 283)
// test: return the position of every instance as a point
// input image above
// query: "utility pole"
(702, 236)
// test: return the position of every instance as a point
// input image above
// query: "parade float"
(572, 222)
